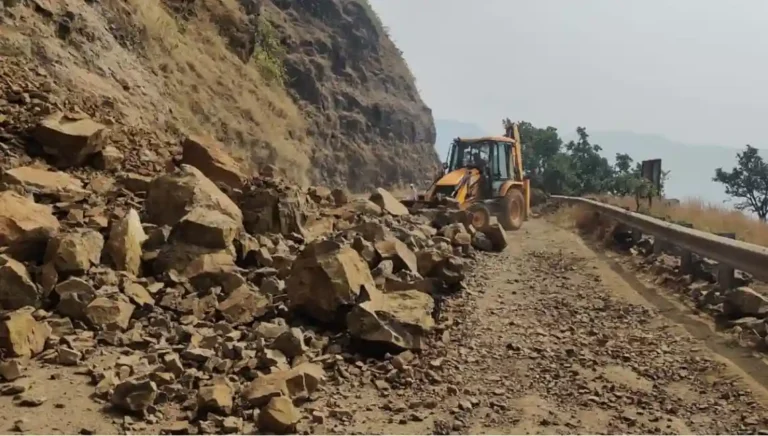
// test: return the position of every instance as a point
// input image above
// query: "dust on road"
(553, 341)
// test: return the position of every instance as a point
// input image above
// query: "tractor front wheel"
(512, 210)
(481, 216)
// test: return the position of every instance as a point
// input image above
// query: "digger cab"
(492, 157)
(485, 175)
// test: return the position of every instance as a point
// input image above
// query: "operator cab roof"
(487, 138)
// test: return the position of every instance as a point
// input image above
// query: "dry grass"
(171, 72)
(703, 216)
(251, 113)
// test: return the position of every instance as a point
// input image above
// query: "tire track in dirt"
(551, 340)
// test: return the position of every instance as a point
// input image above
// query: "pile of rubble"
(226, 296)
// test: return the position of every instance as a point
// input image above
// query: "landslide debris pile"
(743, 307)
(230, 298)
(315, 87)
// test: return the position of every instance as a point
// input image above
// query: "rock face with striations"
(365, 114)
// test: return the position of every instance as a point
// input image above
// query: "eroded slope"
(345, 109)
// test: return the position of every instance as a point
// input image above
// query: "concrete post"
(686, 257)
(725, 277)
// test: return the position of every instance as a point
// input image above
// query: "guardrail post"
(686, 257)
(725, 277)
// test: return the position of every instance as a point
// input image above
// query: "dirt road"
(549, 340)
(553, 341)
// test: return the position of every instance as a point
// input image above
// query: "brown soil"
(315, 87)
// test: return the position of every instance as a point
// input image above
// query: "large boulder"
(76, 251)
(372, 231)
(388, 202)
(274, 210)
(326, 277)
(278, 416)
(356, 207)
(207, 155)
(16, 286)
(191, 261)
(401, 319)
(340, 197)
(497, 236)
(216, 397)
(300, 381)
(37, 180)
(25, 227)
(395, 250)
(743, 302)
(124, 244)
(71, 139)
(243, 305)
(134, 394)
(206, 228)
(430, 260)
(75, 294)
(172, 196)
(21, 335)
(108, 313)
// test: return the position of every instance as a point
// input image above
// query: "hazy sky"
(692, 70)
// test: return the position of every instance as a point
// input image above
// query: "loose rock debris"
(230, 299)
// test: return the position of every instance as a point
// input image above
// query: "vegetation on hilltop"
(577, 168)
(747, 182)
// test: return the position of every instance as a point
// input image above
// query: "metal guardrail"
(744, 256)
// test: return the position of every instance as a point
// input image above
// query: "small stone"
(216, 397)
(10, 370)
(138, 294)
(31, 401)
(75, 252)
(124, 246)
(232, 424)
(7, 390)
(17, 289)
(22, 426)
(175, 427)
(105, 313)
(134, 395)
(21, 334)
(69, 357)
(279, 416)
(290, 343)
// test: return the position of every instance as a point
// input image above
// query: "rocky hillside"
(314, 87)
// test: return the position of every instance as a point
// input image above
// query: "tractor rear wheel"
(480, 216)
(512, 210)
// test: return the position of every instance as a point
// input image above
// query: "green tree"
(560, 176)
(593, 172)
(623, 163)
(748, 182)
(540, 146)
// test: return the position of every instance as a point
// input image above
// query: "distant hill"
(691, 166)
(448, 130)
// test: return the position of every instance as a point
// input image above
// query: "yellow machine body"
(485, 175)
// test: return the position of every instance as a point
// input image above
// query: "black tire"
(512, 210)
(480, 216)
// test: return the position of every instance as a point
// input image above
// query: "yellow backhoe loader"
(485, 176)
